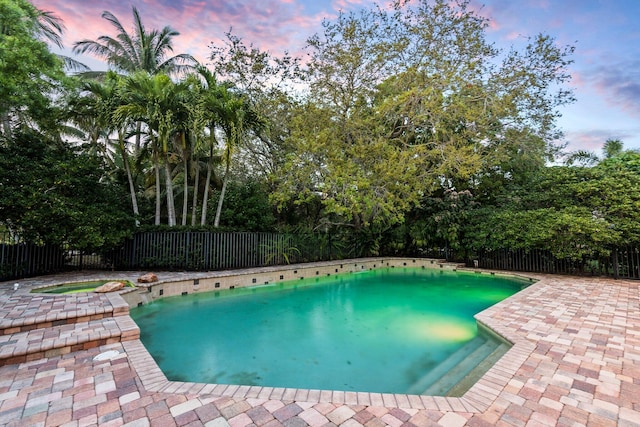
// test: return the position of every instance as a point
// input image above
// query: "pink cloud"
(577, 80)
(588, 140)
(273, 25)
(346, 4)
(606, 59)
(538, 4)
(485, 11)
(513, 35)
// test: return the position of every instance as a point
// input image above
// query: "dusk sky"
(606, 34)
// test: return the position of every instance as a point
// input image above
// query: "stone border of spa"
(575, 360)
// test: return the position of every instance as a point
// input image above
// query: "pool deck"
(575, 362)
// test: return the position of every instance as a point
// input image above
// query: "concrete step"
(63, 339)
(23, 313)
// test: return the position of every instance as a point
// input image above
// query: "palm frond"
(50, 27)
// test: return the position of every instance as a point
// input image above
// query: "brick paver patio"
(575, 361)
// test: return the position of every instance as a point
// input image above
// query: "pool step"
(462, 369)
(474, 375)
(445, 366)
(30, 312)
(467, 372)
(62, 339)
(40, 325)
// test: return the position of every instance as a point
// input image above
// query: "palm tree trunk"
(194, 202)
(171, 207)
(205, 196)
(6, 125)
(207, 184)
(156, 168)
(185, 189)
(138, 137)
(158, 201)
(216, 222)
(127, 168)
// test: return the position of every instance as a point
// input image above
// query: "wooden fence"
(217, 251)
(19, 259)
(202, 251)
(620, 263)
(198, 251)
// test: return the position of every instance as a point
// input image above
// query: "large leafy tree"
(415, 100)
(29, 72)
(571, 211)
(339, 151)
(55, 194)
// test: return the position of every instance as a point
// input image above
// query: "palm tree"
(227, 114)
(612, 148)
(582, 158)
(153, 99)
(197, 139)
(50, 27)
(210, 94)
(238, 120)
(140, 51)
(184, 116)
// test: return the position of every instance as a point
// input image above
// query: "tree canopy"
(409, 101)
(30, 75)
(52, 193)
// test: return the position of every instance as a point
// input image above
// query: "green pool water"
(375, 331)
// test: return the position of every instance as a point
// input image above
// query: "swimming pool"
(383, 330)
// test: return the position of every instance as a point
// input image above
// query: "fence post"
(616, 273)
